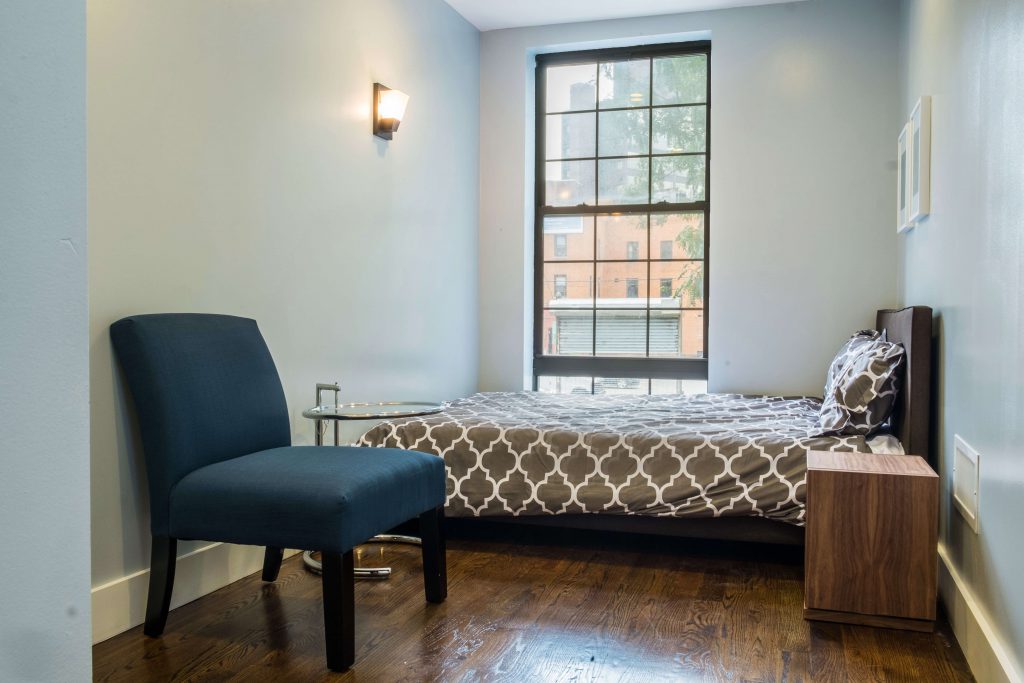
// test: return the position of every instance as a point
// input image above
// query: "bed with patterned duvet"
(705, 455)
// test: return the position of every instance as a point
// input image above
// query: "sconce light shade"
(388, 110)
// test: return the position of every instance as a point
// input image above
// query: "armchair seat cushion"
(307, 497)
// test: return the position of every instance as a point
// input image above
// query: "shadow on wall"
(132, 464)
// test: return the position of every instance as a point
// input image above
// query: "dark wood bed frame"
(910, 422)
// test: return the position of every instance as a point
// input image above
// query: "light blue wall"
(802, 176)
(232, 169)
(44, 382)
(967, 261)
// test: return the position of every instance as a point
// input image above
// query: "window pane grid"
(682, 180)
(609, 283)
(570, 384)
(624, 158)
(667, 303)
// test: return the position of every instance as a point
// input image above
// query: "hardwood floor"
(574, 607)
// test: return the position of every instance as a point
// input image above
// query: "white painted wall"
(965, 260)
(44, 380)
(802, 171)
(232, 169)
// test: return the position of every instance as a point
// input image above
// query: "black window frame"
(604, 366)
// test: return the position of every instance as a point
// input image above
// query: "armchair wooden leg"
(435, 571)
(161, 581)
(272, 563)
(339, 585)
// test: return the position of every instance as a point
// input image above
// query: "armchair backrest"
(205, 389)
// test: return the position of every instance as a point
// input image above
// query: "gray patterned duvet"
(711, 455)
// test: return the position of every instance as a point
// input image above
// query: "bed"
(712, 465)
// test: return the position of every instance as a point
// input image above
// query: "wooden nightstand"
(872, 533)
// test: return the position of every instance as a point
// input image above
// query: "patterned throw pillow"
(846, 353)
(864, 393)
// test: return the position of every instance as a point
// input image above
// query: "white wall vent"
(966, 465)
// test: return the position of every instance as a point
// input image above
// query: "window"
(561, 285)
(561, 246)
(622, 167)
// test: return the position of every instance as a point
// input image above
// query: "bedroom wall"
(965, 261)
(44, 368)
(232, 169)
(802, 172)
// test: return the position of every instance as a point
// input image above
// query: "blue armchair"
(221, 467)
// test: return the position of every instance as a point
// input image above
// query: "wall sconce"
(388, 110)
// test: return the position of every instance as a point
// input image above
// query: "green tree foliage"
(677, 80)
(691, 287)
(676, 130)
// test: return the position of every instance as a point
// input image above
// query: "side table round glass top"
(372, 411)
(341, 412)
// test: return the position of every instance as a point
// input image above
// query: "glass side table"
(341, 412)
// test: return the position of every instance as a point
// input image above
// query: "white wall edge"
(985, 650)
(120, 604)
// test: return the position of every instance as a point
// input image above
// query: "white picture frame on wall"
(904, 181)
(921, 159)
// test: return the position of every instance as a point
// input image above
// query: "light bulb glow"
(388, 110)
(392, 104)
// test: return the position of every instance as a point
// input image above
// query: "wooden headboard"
(911, 419)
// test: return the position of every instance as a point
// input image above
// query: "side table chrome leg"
(365, 572)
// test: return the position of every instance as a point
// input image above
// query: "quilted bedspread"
(705, 455)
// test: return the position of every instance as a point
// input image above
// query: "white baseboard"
(120, 604)
(985, 650)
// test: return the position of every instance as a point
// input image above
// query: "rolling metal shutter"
(618, 334)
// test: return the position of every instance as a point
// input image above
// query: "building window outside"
(561, 286)
(561, 247)
(666, 249)
(632, 288)
(665, 287)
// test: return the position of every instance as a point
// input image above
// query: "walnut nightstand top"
(870, 463)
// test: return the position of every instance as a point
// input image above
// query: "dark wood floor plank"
(609, 609)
